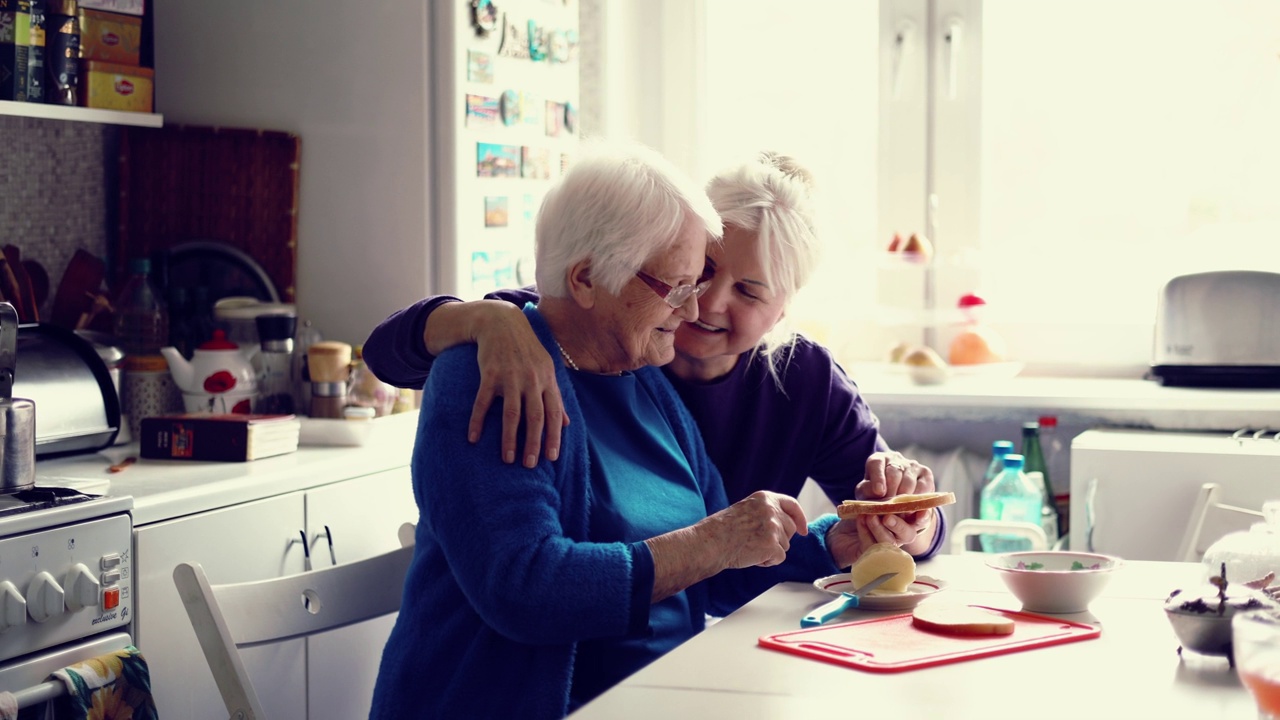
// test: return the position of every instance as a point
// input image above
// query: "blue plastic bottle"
(999, 449)
(1010, 498)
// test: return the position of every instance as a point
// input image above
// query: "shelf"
(79, 114)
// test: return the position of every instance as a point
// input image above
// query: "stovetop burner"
(40, 498)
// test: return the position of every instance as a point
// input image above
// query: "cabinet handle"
(329, 536)
(306, 551)
(954, 31)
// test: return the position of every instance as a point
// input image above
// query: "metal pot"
(17, 415)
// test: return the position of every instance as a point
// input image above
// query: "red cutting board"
(893, 644)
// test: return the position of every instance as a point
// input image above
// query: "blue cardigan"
(504, 580)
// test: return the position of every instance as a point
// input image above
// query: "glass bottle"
(1055, 459)
(1033, 454)
(142, 328)
(366, 389)
(1010, 498)
(276, 379)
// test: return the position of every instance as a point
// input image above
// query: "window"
(1067, 157)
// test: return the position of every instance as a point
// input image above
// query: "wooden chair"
(228, 617)
(1230, 517)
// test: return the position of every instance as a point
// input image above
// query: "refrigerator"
(1133, 491)
(505, 126)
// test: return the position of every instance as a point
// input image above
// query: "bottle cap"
(1048, 421)
(1001, 447)
(276, 326)
(1030, 428)
(1013, 461)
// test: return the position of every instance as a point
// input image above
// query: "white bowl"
(1056, 582)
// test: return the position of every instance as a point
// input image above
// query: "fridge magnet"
(535, 163)
(504, 269)
(555, 119)
(537, 42)
(558, 50)
(484, 17)
(570, 118)
(528, 208)
(572, 37)
(510, 107)
(482, 111)
(564, 162)
(482, 273)
(493, 160)
(479, 66)
(495, 211)
(515, 40)
(530, 109)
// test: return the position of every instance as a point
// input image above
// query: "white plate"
(923, 587)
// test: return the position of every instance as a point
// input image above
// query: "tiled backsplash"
(55, 180)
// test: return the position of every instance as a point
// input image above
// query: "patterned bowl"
(1057, 582)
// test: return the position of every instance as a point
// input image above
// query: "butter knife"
(825, 612)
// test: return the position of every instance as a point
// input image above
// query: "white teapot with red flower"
(219, 377)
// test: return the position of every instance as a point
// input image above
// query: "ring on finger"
(897, 465)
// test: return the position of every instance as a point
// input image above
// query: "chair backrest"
(972, 526)
(229, 617)
(1210, 520)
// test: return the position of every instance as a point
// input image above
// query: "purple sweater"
(760, 436)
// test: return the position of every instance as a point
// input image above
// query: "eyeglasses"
(676, 296)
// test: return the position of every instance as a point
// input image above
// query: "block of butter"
(884, 558)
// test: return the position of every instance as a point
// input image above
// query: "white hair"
(771, 196)
(618, 204)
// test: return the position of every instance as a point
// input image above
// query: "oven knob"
(44, 597)
(82, 588)
(13, 609)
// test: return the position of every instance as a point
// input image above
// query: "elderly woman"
(774, 408)
(532, 592)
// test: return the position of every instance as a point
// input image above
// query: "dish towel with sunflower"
(114, 686)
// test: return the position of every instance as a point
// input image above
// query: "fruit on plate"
(975, 345)
(898, 352)
(922, 356)
(918, 249)
(884, 558)
(960, 620)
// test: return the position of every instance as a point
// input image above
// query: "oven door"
(27, 677)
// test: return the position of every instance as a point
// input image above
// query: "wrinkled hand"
(848, 539)
(889, 474)
(515, 365)
(755, 531)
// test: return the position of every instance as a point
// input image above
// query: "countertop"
(166, 489)
(1102, 401)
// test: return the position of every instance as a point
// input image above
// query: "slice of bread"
(894, 505)
(960, 620)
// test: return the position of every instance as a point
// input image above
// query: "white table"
(1131, 671)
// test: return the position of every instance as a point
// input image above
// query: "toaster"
(1219, 329)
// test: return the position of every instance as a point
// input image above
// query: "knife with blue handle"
(823, 613)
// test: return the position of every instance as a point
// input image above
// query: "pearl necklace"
(567, 359)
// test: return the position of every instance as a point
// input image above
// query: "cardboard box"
(111, 86)
(128, 7)
(15, 38)
(110, 37)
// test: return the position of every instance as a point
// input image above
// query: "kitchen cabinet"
(327, 676)
(80, 114)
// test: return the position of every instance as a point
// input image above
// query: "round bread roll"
(894, 505)
(884, 558)
(960, 620)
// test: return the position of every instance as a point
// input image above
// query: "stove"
(66, 582)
